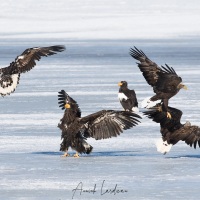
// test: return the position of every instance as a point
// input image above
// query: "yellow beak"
(119, 84)
(185, 87)
(180, 86)
(67, 105)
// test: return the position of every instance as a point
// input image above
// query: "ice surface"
(97, 38)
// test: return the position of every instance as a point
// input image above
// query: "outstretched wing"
(189, 134)
(164, 78)
(109, 123)
(26, 61)
(161, 117)
(168, 80)
(148, 68)
(9, 76)
(64, 98)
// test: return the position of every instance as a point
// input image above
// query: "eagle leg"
(76, 155)
(169, 115)
(159, 108)
(65, 155)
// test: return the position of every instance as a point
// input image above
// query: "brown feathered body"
(127, 97)
(100, 125)
(173, 130)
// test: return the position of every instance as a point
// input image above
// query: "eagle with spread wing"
(173, 130)
(9, 76)
(164, 80)
(127, 97)
(100, 125)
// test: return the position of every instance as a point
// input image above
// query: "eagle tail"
(163, 146)
(135, 109)
(147, 103)
(83, 147)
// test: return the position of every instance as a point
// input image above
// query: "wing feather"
(163, 79)
(26, 61)
(109, 123)
(148, 68)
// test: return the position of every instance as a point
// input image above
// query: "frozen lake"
(97, 39)
(30, 162)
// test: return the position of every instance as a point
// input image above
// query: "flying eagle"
(164, 80)
(100, 125)
(173, 130)
(9, 76)
(127, 97)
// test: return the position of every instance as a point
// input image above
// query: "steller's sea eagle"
(100, 125)
(127, 97)
(164, 80)
(173, 130)
(9, 76)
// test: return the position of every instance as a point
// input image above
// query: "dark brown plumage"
(100, 125)
(9, 76)
(164, 80)
(173, 130)
(127, 97)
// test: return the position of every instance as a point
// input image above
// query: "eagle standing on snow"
(165, 82)
(127, 97)
(9, 76)
(172, 130)
(100, 125)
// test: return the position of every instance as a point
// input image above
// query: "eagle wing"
(149, 69)
(168, 80)
(162, 78)
(160, 117)
(172, 130)
(9, 76)
(64, 98)
(189, 134)
(26, 61)
(109, 123)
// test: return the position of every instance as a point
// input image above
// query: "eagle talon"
(65, 155)
(160, 109)
(76, 155)
(169, 115)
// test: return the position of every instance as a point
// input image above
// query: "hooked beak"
(182, 86)
(67, 105)
(120, 84)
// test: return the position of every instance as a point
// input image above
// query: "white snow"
(123, 19)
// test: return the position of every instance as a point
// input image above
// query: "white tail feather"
(135, 109)
(7, 90)
(163, 146)
(147, 103)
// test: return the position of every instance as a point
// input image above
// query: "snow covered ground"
(97, 38)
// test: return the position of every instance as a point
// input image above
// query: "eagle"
(127, 97)
(164, 80)
(100, 125)
(10, 76)
(173, 130)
